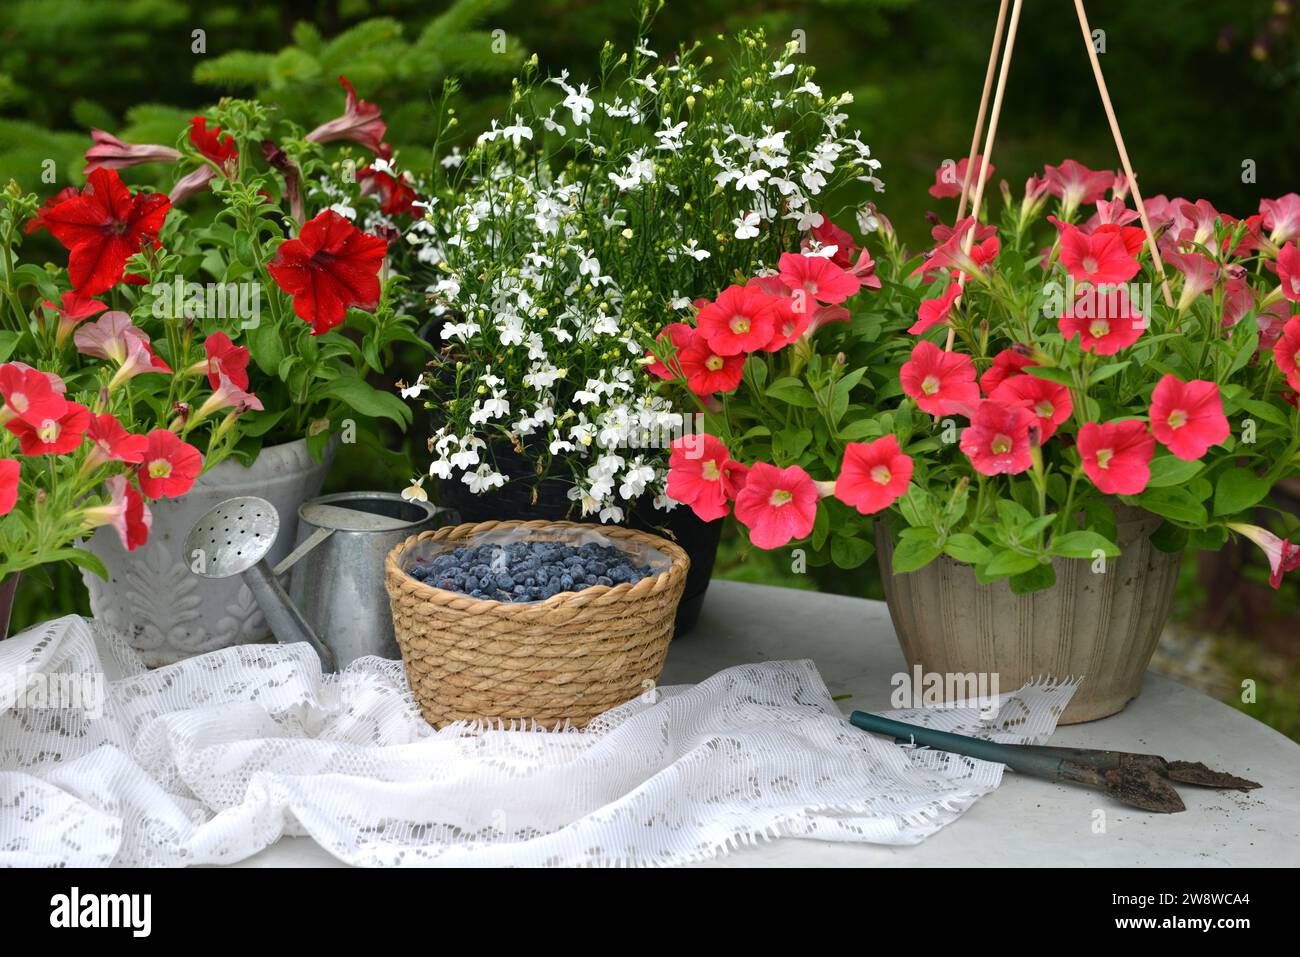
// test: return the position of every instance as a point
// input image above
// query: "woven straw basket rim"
(398, 576)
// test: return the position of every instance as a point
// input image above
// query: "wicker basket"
(555, 662)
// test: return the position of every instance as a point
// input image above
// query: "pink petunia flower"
(29, 394)
(1187, 417)
(940, 382)
(10, 472)
(1049, 401)
(741, 320)
(109, 152)
(227, 395)
(169, 466)
(109, 337)
(678, 335)
(949, 254)
(1117, 455)
(935, 311)
(361, 123)
(1281, 217)
(1285, 350)
(1103, 319)
(54, 435)
(1288, 271)
(1193, 222)
(997, 441)
(1199, 274)
(874, 475)
(1006, 363)
(110, 442)
(708, 372)
(777, 505)
(820, 278)
(73, 309)
(1282, 555)
(1100, 258)
(1075, 185)
(125, 510)
(702, 475)
(224, 358)
(949, 177)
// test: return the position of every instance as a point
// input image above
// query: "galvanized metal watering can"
(336, 601)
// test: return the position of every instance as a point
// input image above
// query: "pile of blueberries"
(527, 571)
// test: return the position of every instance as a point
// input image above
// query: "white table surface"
(1026, 821)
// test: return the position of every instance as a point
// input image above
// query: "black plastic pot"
(514, 501)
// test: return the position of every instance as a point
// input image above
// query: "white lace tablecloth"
(215, 758)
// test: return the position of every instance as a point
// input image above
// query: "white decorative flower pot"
(151, 597)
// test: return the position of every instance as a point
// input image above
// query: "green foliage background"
(1201, 88)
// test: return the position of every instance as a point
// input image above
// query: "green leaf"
(266, 348)
(8, 342)
(1173, 503)
(1051, 374)
(1264, 410)
(1238, 490)
(78, 557)
(1170, 538)
(1036, 579)
(1083, 544)
(1010, 563)
(965, 547)
(367, 400)
(916, 552)
(1106, 371)
(792, 392)
(860, 429)
(849, 552)
(1169, 470)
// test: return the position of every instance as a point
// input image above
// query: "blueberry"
(504, 580)
(566, 582)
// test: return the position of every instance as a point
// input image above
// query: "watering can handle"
(307, 544)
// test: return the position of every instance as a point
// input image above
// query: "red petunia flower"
(169, 466)
(109, 152)
(126, 511)
(37, 222)
(820, 278)
(1288, 270)
(361, 123)
(102, 227)
(707, 372)
(874, 475)
(678, 335)
(940, 382)
(1103, 319)
(214, 146)
(110, 442)
(741, 320)
(1187, 417)
(391, 188)
(949, 254)
(1284, 352)
(777, 505)
(826, 234)
(29, 394)
(1049, 401)
(330, 266)
(1117, 455)
(702, 475)
(789, 321)
(949, 177)
(997, 441)
(1282, 555)
(935, 311)
(10, 472)
(52, 436)
(1075, 185)
(225, 358)
(1006, 363)
(1101, 258)
(72, 310)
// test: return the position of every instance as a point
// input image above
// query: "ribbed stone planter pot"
(1101, 627)
(153, 600)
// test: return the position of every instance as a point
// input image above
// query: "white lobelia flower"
(483, 479)
(747, 226)
(419, 388)
(752, 179)
(415, 491)
(344, 210)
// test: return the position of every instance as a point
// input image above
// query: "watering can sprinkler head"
(234, 538)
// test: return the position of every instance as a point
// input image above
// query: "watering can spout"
(233, 538)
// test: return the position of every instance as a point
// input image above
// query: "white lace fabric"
(212, 759)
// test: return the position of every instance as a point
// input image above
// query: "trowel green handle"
(1022, 758)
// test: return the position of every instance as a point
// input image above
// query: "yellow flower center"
(160, 468)
(1044, 409)
(780, 497)
(714, 363)
(880, 474)
(49, 431)
(930, 384)
(1177, 418)
(1001, 444)
(710, 470)
(740, 325)
(1103, 458)
(1098, 328)
(1089, 264)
